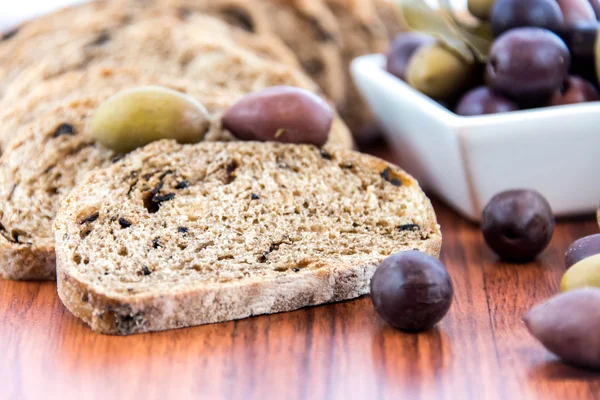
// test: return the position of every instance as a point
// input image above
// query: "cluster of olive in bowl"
(543, 54)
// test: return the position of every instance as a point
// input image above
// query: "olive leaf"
(468, 37)
(475, 33)
(418, 16)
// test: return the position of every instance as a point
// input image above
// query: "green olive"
(438, 72)
(481, 8)
(585, 273)
(135, 117)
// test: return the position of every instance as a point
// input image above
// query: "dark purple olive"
(411, 291)
(528, 63)
(402, 48)
(574, 90)
(577, 12)
(483, 100)
(509, 14)
(582, 248)
(281, 113)
(581, 41)
(517, 224)
(585, 69)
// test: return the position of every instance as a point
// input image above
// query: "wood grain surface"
(481, 350)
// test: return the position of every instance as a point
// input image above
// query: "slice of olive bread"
(180, 235)
(51, 154)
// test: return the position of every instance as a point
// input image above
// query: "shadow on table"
(410, 363)
(557, 370)
(278, 341)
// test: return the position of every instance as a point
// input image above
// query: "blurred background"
(11, 13)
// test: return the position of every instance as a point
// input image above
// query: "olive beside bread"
(411, 290)
(135, 117)
(281, 113)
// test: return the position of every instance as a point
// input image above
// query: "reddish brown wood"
(481, 350)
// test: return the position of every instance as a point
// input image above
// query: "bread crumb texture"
(179, 235)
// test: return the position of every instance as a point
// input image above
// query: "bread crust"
(110, 311)
(27, 262)
(120, 316)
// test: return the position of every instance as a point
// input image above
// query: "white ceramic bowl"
(467, 160)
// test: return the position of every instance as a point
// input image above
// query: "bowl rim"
(372, 67)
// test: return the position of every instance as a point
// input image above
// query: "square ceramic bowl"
(467, 160)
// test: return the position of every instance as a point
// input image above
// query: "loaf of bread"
(80, 36)
(201, 48)
(322, 36)
(180, 235)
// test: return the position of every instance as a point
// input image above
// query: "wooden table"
(481, 350)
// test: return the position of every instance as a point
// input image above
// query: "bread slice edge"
(120, 315)
(21, 262)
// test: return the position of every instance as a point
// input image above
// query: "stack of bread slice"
(249, 227)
